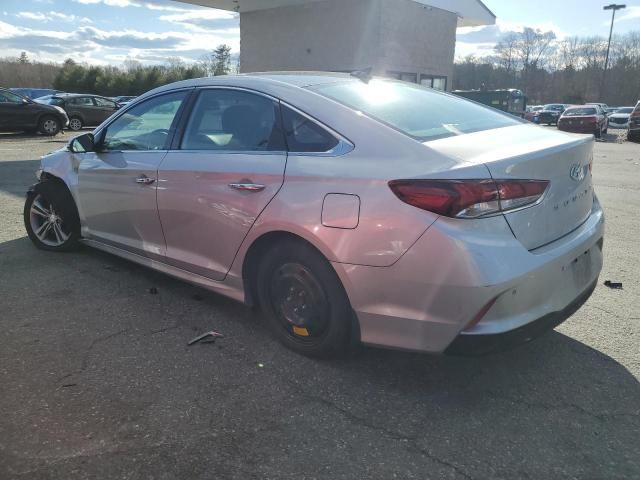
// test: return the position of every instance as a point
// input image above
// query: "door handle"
(143, 179)
(249, 187)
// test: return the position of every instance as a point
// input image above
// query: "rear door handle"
(145, 180)
(249, 187)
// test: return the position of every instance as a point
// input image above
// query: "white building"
(412, 40)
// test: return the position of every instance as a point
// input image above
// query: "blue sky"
(111, 31)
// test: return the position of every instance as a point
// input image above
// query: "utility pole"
(613, 7)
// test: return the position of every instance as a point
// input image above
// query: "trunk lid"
(530, 152)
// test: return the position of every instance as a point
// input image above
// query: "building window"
(434, 81)
(404, 76)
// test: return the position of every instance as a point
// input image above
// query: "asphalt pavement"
(97, 380)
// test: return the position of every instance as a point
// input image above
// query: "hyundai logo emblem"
(577, 172)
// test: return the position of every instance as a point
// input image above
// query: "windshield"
(625, 110)
(419, 112)
(577, 112)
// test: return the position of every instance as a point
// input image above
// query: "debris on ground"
(610, 284)
(153, 291)
(207, 337)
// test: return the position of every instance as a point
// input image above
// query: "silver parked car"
(346, 208)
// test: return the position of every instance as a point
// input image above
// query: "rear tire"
(303, 300)
(75, 123)
(49, 126)
(51, 218)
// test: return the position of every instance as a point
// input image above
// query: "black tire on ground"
(49, 125)
(51, 203)
(76, 123)
(303, 300)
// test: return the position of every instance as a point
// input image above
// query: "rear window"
(576, 112)
(419, 112)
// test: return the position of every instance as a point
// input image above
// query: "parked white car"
(620, 119)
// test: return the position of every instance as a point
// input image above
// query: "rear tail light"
(469, 198)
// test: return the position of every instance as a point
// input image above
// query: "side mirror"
(82, 144)
(25, 102)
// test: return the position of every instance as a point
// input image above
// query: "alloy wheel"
(47, 224)
(50, 126)
(75, 124)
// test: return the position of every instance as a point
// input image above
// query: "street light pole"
(613, 7)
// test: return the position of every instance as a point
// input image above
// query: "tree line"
(133, 78)
(549, 70)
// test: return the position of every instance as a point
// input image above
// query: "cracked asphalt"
(96, 379)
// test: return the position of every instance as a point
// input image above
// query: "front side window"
(146, 126)
(233, 120)
(8, 97)
(305, 135)
(421, 113)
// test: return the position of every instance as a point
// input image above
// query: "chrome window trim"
(343, 146)
(232, 152)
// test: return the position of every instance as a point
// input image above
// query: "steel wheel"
(75, 124)
(299, 302)
(303, 300)
(47, 224)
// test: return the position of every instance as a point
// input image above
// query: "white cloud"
(111, 3)
(480, 41)
(51, 16)
(630, 13)
(94, 45)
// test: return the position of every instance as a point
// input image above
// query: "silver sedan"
(348, 209)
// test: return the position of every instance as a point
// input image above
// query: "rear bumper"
(484, 344)
(573, 129)
(425, 301)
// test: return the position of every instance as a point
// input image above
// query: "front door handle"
(249, 187)
(145, 180)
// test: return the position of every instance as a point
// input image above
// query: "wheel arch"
(260, 245)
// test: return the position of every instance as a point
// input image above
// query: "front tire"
(75, 123)
(51, 218)
(49, 126)
(303, 300)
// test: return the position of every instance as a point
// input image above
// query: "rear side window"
(304, 135)
(233, 120)
(421, 113)
(81, 102)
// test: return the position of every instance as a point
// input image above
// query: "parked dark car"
(18, 113)
(549, 114)
(584, 119)
(83, 110)
(633, 133)
(34, 93)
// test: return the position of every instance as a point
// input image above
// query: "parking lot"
(97, 379)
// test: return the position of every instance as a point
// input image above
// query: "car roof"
(261, 80)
